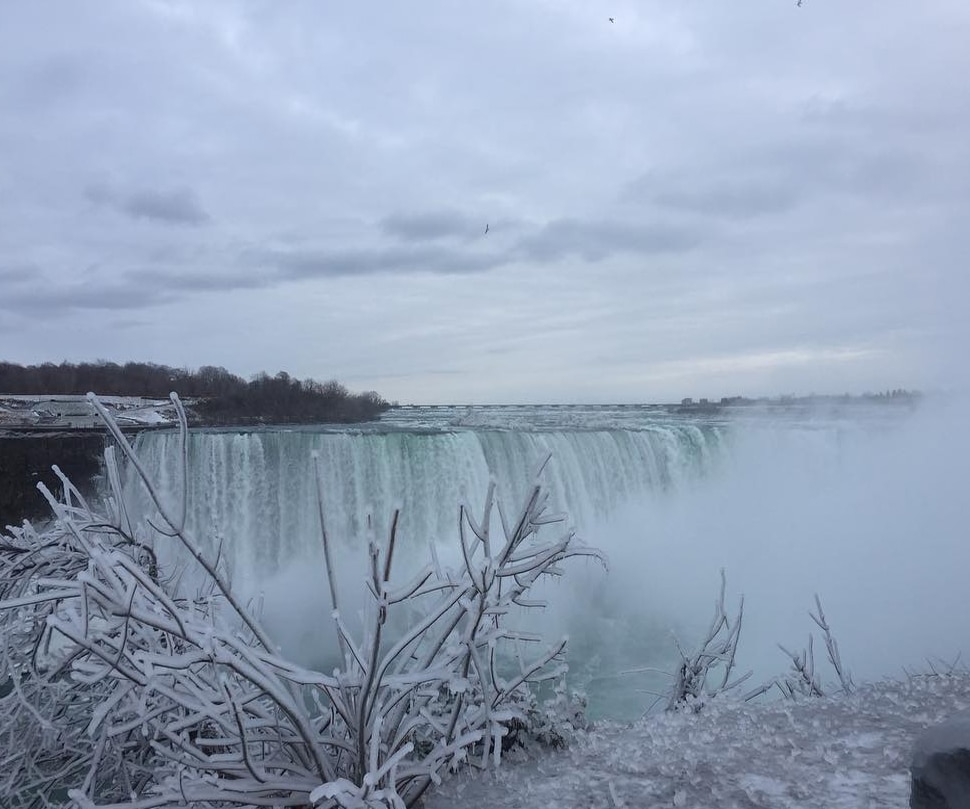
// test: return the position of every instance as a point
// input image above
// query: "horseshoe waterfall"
(788, 502)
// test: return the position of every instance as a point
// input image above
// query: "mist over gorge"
(857, 506)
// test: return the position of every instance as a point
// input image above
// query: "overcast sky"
(701, 198)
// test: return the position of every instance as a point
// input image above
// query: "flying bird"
(612, 20)
(486, 228)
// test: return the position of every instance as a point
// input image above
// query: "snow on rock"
(843, 751)
(941, 765)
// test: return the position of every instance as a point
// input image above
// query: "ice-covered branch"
(832, 647)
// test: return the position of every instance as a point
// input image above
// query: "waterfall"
(868, 510)
(254, 493)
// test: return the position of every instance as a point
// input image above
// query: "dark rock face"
(941, 766)
(26, 460)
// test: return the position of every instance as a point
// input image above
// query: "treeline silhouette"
(217, 396)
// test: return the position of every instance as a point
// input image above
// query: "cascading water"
(254, 493)
(788, 505)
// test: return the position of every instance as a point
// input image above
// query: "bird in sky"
(612, 20)
(486, 228)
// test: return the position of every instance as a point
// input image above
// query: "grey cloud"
(133, 290)
(46, 83)
(17, 275)
(140, 289)
(128, 323)
(594, 241)
(107, 296)
(409, 374)
(821, 110)
(180, 283)
(780, 177)
(846, 165)
(430, 226)
(873, 117)
(178, 206)
(732, 199)
(297, 264)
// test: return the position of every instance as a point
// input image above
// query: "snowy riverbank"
(69, 412)
(844, 751)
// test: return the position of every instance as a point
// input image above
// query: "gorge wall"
(26, 460)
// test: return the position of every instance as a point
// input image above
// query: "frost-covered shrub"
(708, 670)
(46, 709)
(131, 688)
(802, 679)
(553, 722)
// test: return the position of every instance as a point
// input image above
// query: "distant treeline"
(220, 397)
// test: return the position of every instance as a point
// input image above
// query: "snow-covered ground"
(842, 751)
(74, 412)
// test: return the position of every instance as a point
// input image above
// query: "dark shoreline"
(60, 431)
(26, 458)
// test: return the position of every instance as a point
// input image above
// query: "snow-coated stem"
(803, 666)
(183, 460)
(123, 522)
(938, 667)
(390, 546)
(379, 582)
(324, 537)
(832, 647)
(530, 672)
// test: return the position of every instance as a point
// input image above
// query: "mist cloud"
(863, 517)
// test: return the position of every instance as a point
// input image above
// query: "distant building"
(686, 402)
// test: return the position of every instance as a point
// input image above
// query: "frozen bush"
(135, 691)
(802, 679)
(707, 671)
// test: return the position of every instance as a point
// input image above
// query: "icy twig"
(832, 647)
